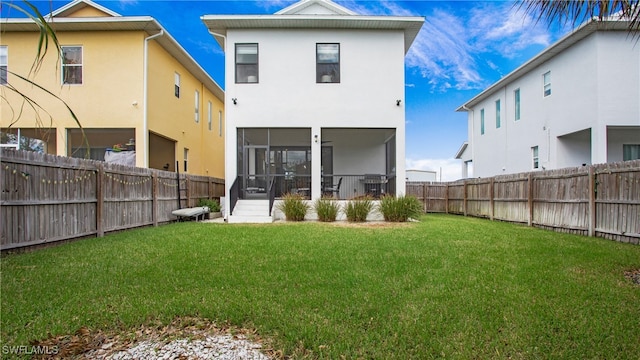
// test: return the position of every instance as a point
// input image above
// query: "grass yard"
(447, 287)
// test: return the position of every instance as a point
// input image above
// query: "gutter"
(145, 100)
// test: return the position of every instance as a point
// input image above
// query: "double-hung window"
(516, 104)
(246, 63)
(4, 64)
(176, 85)
(497, 114)
(197, 106)
(546, 80)
(327, 63)
(71, 64)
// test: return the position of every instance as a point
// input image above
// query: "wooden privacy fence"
(599, 200)
(48, 198)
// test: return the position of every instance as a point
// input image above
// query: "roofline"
(551, 51)
(301, 5)
(462, 149)
(75, 3)
(219, 24)
(145, 23)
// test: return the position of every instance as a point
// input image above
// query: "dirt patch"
(633, 275)
(183, 338)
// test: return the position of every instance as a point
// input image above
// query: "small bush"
(212, 204)
(294, 207)
(357, 210)
(327, 209)
(399, 209)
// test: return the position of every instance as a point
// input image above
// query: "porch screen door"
(256, 172)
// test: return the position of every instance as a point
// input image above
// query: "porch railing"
(355, 186)
(233, 195)
(272, 193)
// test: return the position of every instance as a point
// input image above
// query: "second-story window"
(516, 104)
(327, 63)
(209, 115)
(482, 122)
(546, 79)
(197, 106)
(71, 64)
(246, 63)
(4, 64)
(497, 114)
(176, 85)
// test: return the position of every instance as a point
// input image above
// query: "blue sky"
(463, 47)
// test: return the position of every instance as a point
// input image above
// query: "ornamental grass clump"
(399, 209)
(294, 207)
(357, 210)
(327, 209)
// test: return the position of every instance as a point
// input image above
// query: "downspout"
(145, 95)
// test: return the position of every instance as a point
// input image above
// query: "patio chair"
(334, 190)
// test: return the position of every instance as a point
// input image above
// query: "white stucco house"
(316, 104)
(576, 103)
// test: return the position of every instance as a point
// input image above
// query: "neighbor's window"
(220, 123)
(327, 63)
(209, 115)
(197, 106)
(497, 114)
(482, 122)
(535, 158)
(516, 104)
(4, 64)
(546, 80)
(176, 85)
(246, 63)
(630, 152)
(71, 64)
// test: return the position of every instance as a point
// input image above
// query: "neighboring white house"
(315, 104)
(421, 175)
(576, 103)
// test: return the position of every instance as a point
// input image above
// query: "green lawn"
(446, 287)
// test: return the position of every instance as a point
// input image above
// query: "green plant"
(327, 209)
(357, 210)
(400, 209)
(212, 204)
(294, 207)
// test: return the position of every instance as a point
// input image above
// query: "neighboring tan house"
(576, 103)
(127, 80)
(316, 104)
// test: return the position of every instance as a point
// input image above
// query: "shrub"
(358, 209)
(212, 204)
(294, 207)
(327, 209)
(399, 209)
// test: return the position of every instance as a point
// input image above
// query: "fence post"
(446, 198)
(154, 197)
(100, 201)
(530, 198)
(464, 198)
(592, 201)
(424, 197)
(187, 192)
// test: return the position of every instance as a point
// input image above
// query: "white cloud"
(448, 169)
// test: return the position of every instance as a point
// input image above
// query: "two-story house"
(575, 103)
(129, 82)
(316, 106)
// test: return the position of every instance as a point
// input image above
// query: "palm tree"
(577, 11)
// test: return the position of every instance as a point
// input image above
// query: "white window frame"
(176, 85)
(4, 65)
(535, 157)
(64, 65)
(516, 104)
(209, 115)
(197, 106)
(546, 84)
(481, 121)
(245, 69)
(327, 71)
(498, 109)
(186, 159)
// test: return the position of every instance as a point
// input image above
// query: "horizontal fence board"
(47, 198)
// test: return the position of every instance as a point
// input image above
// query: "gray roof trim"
(123, 23)
(220, 24)
(559, 46)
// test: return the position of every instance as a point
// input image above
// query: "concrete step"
(251, 211)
